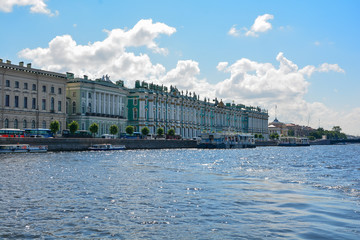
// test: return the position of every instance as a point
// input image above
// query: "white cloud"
(260, 25)
(263, 84)
(109, 56)
(37, 6)
(234, 32)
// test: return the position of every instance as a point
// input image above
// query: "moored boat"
(22, 148)
(293, 142)
(106, 147)
(226, 141)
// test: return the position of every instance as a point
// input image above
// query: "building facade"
(96, 101)
(156, 106)
(31, 98)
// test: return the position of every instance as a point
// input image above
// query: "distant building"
(31, 98)
(156, 106)
(278, 127)
(96, 101)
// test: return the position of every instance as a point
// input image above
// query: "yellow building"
(31, 98)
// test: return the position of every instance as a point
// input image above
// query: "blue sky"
(299, 55)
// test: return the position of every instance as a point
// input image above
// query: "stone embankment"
(82, 144)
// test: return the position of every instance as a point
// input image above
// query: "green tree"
(145, 131)
(73, 126)
(171, 132)
(291, 132)
(160, 131)
(129, 130)
(337, 129)
(54, 126)
(94, 128)
(256, 136)
(260, 136)
(274, 136)
(113, 129)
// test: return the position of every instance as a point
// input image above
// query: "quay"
(82, 144)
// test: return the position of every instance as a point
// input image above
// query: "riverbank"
(82, 144)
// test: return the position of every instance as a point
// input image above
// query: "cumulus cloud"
(37, 6)
(285, 85)
(109, 56)
(260, 25)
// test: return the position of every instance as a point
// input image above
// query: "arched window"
(6, 124)
(74, 107)
(24, 124)
(33, 124)
(52, 105)
(16, 125)
(44, 124)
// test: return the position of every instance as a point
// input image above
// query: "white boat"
(227, 141)
(106, 147)
(293, 142)
(22, 148)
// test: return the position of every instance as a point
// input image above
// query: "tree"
(160, 131)
(260, 136)
(171, 132)
(73, 126)
(274, 136)
(94, 128)
(54, 126)
(256, 136)
(145, 131)
(113, 129)
(129, 130)
(291, 132)
(336, 129)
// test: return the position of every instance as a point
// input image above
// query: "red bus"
(11, 133)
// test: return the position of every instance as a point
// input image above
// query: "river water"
(262, 193)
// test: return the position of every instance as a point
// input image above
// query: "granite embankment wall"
(81, 144)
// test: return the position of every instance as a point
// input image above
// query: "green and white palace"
(156, 106)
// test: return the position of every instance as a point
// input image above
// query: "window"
(83, 107)
(16, 101)
(25, 85)
(17, 84)
(59, 106)
(24, 124)
(7, 100)
(33, 103)
(82, 94)
(135, 102)
(7, 83)
(33, 124)
(16, 123)
(44, 124)
(74, 94)
(52, 90)
(74, 107)
(52, 104)
(59, 91)
(89, 107)
(89, 95)
(44, 104)
(34, 87)
(6, 124)
(44, 88)
(25, 102)
(135, 113)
